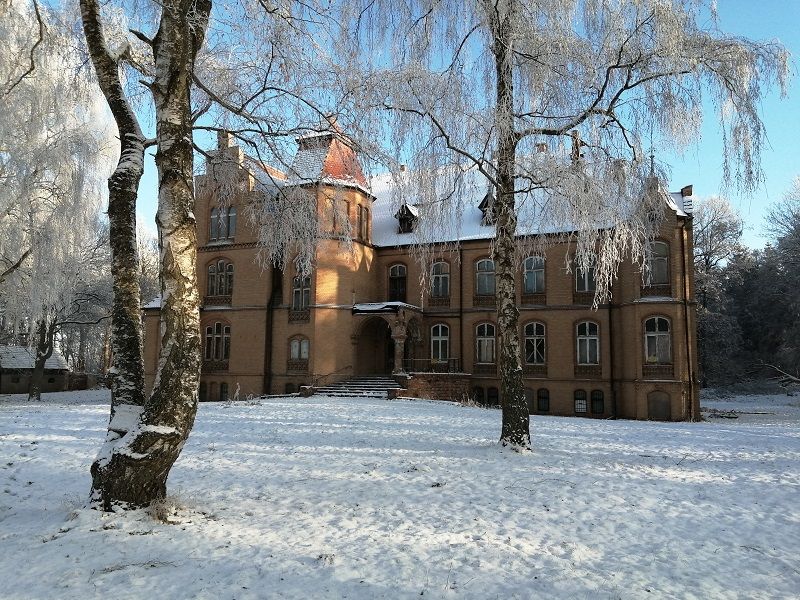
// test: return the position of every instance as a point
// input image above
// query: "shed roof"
(20, 357)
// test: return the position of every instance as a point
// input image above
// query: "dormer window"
(488, 209)
(407, 216)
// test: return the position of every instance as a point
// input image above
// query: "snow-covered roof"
(367, 308)
(20, 357)
(466, 220)
(154, 303)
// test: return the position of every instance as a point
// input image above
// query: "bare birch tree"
(554, 103)
(144, 440)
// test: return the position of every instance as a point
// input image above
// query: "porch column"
(399, 352)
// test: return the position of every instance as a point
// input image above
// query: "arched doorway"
(375, 354)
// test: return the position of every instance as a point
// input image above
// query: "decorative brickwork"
(657, 371)
(439, 386)
(534, 299)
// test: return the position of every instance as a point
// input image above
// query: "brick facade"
(264, 327)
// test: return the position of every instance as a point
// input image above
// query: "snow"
(20, 357)
(341, 497)
(465, 217)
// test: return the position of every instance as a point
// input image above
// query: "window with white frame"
(588, 343)
(223, 224)
(580, 401)
(535, 343)
(217, 341)
(298, 349)
(533, 275)
(440, 280)
(440, 342)
(657, 341)
(301, 293)
(485, 343)
(585, 280)
(658, 265)
(484, 277)
(220, 278)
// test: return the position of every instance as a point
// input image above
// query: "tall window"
(218, 341)
(484, 277)
(341, 216)
(223, 392)
(298, 349)
(657, 342)
(533, 275)
(543, 400)
(597, 402)
(580, 401)
(363, 223)
(485, 342)
(584, 280)
(397, 283)
(223, 224)
(301, 293)
(440, 280)
(534, 344)
(588, 344)
(658, 265)
(220, 278)
(440, 342)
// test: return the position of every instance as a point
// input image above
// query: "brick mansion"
(362, 312)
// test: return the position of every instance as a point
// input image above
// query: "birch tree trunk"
(516, 422)
(133, 470)
(127, 381)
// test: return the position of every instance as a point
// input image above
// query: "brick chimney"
(686, 191)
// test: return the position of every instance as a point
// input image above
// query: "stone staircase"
(372, 386)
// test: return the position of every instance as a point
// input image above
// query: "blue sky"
(701, 165)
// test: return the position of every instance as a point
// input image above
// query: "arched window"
(588, 343)
(231, 217)
(301, 293)
(217, 341)
(485, 343)
(533, 275)
(657, 341)
(543, 400)
(203, 393)
(440, 342)
(298, 349)
(397, 283)
(658, 265)
(597, 402)
(580, 401)
(484, 277)
(223, 392)
(584, 280)
(440, 280)
(213, 233)
(223, 224)
(535, 343)
(220, 278)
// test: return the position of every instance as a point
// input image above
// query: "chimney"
(541, 147)
(403, 168)
(686, 191)
(224, 139)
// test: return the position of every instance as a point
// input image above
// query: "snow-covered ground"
(346, 498)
